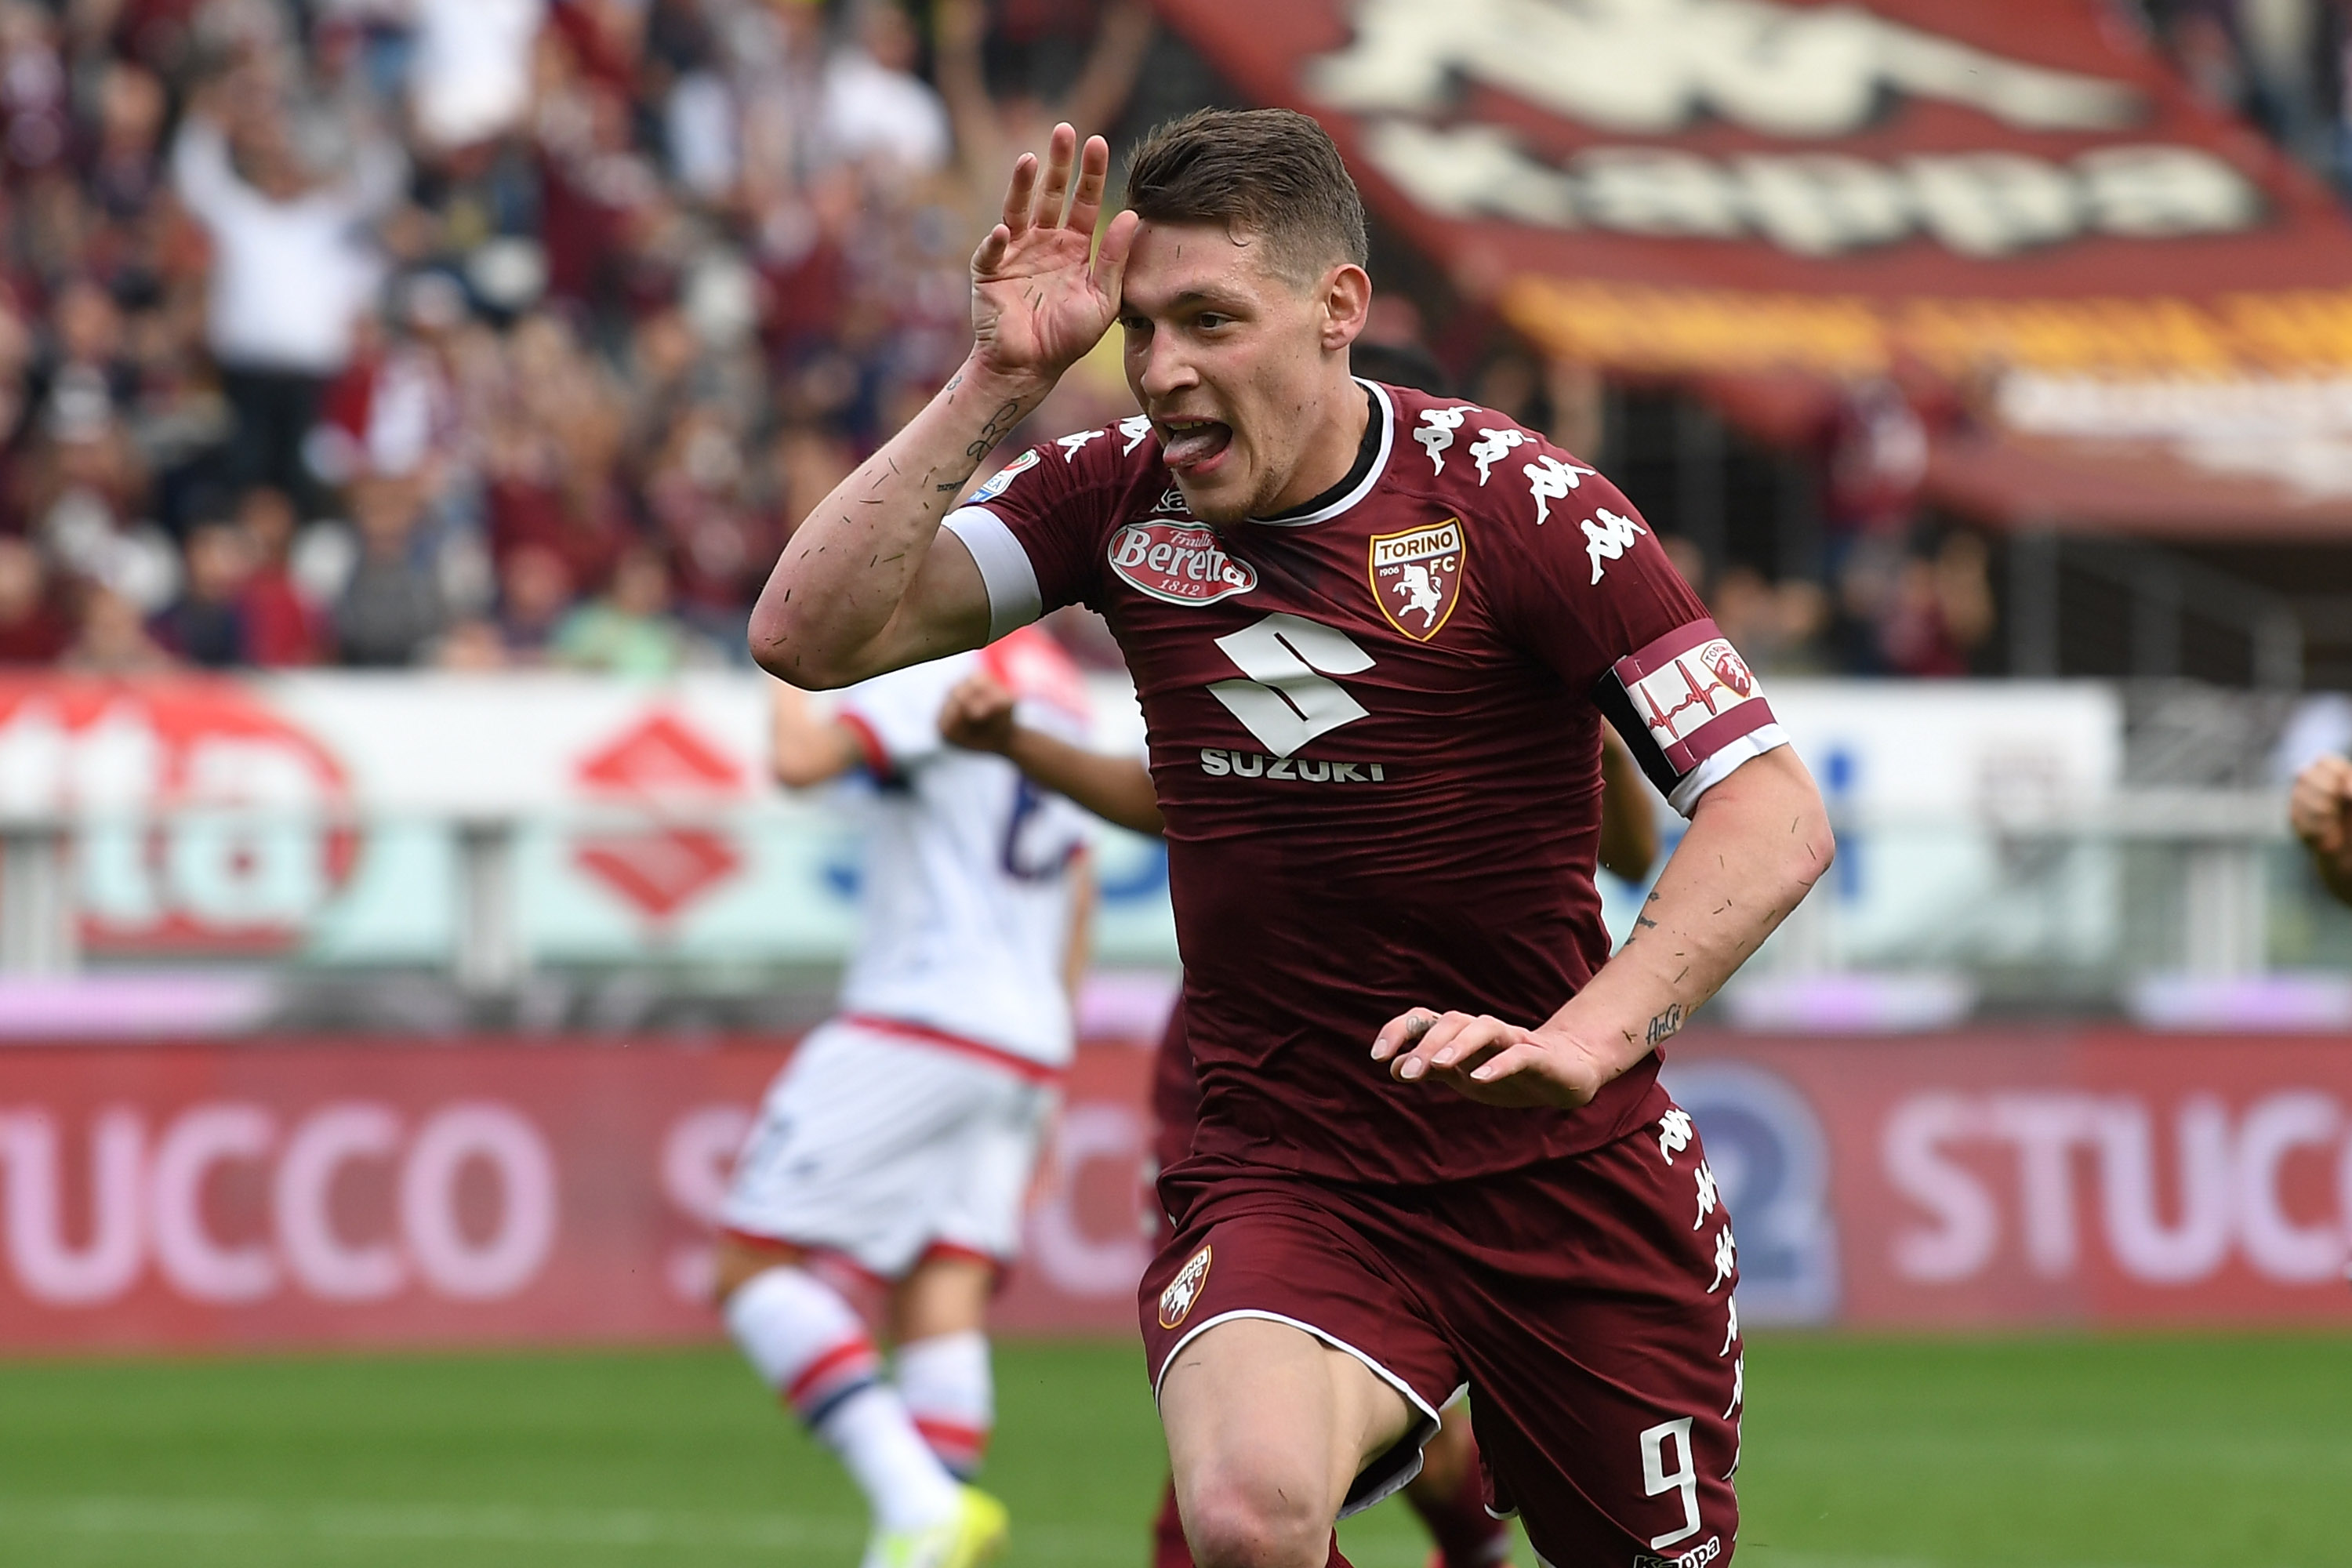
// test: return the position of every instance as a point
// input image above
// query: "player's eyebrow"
(1214, 298)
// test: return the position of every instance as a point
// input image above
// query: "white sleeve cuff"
(1013, 598)
(1718, 767)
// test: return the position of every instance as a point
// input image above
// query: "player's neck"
(1338, 449)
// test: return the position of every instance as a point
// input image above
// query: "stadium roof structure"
(2139, 312)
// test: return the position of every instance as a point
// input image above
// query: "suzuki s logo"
(1181, 563)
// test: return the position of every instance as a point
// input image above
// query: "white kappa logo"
(1550, 480)
(1608, 538)
(1176, 1301)
(1437, 431)
(1493, 445)
(1071, 445)
(1135, 427)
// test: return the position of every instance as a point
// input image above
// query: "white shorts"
(880, 1149)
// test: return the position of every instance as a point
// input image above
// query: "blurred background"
(402, 402)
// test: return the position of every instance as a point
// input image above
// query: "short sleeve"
(1598, 601)
(1033, 528)
(896, 717)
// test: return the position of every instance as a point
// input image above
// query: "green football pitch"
(2089, 1453)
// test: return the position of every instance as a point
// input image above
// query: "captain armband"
(1689, 710)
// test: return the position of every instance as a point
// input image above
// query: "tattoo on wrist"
(1000, 424)
(1666, 1024)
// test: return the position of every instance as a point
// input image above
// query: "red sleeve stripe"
(869, 745)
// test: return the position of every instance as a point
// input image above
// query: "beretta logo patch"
(1417, 577)
(1183, 562)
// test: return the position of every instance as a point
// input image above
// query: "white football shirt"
(967, 887)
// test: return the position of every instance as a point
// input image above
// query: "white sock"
(945, 1381)
(809, 1346)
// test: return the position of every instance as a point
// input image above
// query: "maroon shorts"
(1586, 1302)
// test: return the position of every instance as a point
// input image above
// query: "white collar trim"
(1371, 478)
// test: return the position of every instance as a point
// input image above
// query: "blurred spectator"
(628, 630)
(290, 275)
(111, 639)
(392, 607)
(32, 629)
(534, 594)
(1774, 625)
(206, 626)
(281, 622)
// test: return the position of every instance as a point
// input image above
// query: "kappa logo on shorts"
(1698, 1556)
(1417, 577)
(1176, 1301)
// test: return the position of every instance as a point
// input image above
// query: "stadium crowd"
(487, 333)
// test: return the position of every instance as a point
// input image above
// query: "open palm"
(1038, 303)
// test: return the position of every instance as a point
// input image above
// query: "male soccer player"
(1374, 636)
(900, 1139)
(983, 714)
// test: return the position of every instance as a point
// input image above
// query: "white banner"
(316, 816)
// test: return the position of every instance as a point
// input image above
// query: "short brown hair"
(1272, 173)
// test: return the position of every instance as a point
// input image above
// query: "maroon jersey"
(1375, 735)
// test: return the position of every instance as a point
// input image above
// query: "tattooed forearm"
(1666, 1024)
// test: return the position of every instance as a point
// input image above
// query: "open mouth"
(1191, 446)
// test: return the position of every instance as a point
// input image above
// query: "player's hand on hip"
(1483, 1058)
(1038, 302)
(2316, 807)
(978, 715)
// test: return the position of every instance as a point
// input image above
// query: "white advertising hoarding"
(314, 816)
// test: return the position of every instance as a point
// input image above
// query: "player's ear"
(1347, 303)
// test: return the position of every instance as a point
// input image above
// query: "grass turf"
(2056, 1453)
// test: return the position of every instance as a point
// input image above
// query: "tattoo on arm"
(1000, 424)
(1666, 1024)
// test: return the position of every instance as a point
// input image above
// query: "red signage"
(208, 819)
(193, 1196)
(205, 1195)
(2105, 1177)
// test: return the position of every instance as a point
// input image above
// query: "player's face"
(1239, 368)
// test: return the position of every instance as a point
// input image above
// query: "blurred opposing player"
(1374, 636)
(2319, 809)
(983, 714)
(902, 1138)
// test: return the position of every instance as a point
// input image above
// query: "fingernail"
(1411, 1069)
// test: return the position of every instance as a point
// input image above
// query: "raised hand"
(1038, 303)
(978, 715)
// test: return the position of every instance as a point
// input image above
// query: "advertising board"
(211, 1196)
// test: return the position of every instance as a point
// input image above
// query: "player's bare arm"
(1757, 842)
(804, 747)
(980, 716)
(2319, 809)
(868, 582)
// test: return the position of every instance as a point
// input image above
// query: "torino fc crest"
(1417, 577)
(1176, 1301)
